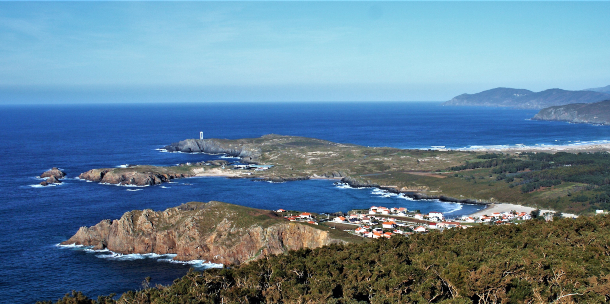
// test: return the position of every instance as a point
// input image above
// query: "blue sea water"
(77, 138)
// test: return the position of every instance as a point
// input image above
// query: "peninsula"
(215, 232)
(592, 113)
(566, 182)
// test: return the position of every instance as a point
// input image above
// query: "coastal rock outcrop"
(129, 176)
(593, 113)
(52, 176)
(247, 152)
(358, 183)
(216, 232)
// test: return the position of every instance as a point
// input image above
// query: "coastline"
(585, 147)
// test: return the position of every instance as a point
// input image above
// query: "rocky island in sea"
(592, 113)
(53, 176)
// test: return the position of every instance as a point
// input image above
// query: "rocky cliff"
(248, 152)
(216, 232)
(134, 176)
(594, 113)
(526, 99)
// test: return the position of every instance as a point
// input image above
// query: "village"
(381, 222)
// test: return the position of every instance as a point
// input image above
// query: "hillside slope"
(525, 99)
(564, 261)
(593, 113)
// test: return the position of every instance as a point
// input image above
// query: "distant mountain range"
(593, 113)
(526, 99)
(605, 89)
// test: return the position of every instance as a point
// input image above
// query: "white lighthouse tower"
(201, 135)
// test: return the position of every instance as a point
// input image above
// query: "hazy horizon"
(109, 52)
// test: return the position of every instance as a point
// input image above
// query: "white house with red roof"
(305, 215)
(388, 225)
(339, 219)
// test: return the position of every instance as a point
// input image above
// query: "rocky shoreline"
(355, 183)
(216, 232)
(126, 177)
(247, 153)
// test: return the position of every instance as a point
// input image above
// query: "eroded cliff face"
(214, 231)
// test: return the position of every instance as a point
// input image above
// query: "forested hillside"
(576, 183)
(565, 261)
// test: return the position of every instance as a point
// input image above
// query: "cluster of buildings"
(497, 217)
(382, 222)
(302, 217)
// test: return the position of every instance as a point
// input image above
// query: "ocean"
(77, 138)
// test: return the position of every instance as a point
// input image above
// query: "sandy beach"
(502, 207)
(584, 147)
(217, 172)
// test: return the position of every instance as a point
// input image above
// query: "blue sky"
(297, 51)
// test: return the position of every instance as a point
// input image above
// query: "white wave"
(555, 143)
(47, 186)
(133, 190)
(72, 246)
(197, 263)
(229, 157)
(347, 186)
(162, 150)
(459, 207)
(343, 186)
(96, 250)
(123, 166)
(128, 186)
(169, 257)
(161, 187)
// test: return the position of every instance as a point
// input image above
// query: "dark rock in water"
(54, 172)
(52, 176)
(593, 113)
(50, 180)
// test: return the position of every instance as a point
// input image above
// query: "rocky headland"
(52, 176)
(526, 99)
(591, 113)
(216, 232)
(245, 149)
